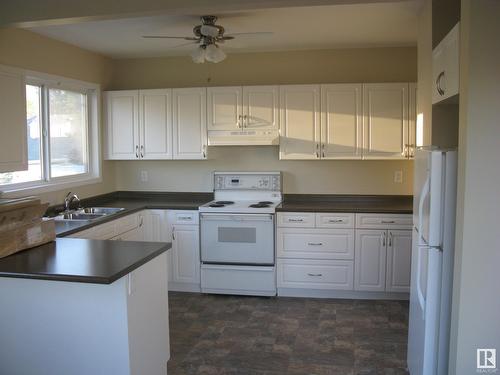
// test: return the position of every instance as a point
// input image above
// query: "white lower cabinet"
(185, 253)
(315, 274)
(398, 261)
(343, 255)
(370, 260)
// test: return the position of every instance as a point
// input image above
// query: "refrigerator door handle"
(420, 294)
(423, 194)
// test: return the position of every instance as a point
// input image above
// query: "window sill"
(48, 187)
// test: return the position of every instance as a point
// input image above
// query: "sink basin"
(87, 214)
(101, 210)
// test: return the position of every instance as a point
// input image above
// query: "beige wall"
(476, 295)
(27, 50)
(315, 66)
(320, 66)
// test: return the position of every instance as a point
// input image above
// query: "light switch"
(144, 176)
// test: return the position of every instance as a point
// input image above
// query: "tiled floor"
(213, 334)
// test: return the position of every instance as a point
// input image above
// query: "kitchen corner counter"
(81, 260)
(390, 204)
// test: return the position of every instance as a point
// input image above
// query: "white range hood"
(243, 138)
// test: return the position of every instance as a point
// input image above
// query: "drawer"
(183, 217)
(384, 221)
(315, 274)
(296, 219)
(334, 220)
(315, 243)
(100, 232)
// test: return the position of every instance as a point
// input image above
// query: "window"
(62, 137)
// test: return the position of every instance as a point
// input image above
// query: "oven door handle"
(237, 217)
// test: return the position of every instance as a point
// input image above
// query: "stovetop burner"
(259, 205)
(265, 202)
(216, 205)
(224, 202)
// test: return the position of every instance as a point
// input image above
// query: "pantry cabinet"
(13, 129)
(385, 112)
(300, 122)
(155, 124)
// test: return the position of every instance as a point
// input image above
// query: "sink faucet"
(70, 197)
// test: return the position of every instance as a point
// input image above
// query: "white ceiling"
(319, 27)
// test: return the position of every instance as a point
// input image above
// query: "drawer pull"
(336, 221)
(388, 222)
(315, 243)
(296, 220)
(184, 218)
(315, 274)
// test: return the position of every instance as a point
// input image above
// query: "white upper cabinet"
(13, 128)
(341, 121)
(155, 122)
(260, 107)
(122, 130)
(300, 122)
(190, 125)
(445, 66)
(385, 110)
(225, 108)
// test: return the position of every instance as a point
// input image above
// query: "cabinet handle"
(383, 239)
(438, 84)
(336, 221)
(315, 274)
(137, 151)
(204, 151)
(141, 222)
(142, 151)
(412, 151)
(295, 220)
(388, 222)
(390, 239)
(173, 233)
(240, 117)
(245, 121)
(315, 243)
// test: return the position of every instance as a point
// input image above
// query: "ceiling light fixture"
(208, 52)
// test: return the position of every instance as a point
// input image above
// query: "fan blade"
(185, 44)
(252, 33)
(169, 37)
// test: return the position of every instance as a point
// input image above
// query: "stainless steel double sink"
(87, 214)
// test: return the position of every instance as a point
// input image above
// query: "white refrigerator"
(434, 208)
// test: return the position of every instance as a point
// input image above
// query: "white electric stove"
(237, 234)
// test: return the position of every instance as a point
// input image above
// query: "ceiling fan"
(208, 36)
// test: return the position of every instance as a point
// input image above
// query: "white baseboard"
(345, 294)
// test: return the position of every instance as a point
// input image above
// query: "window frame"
(93, 126)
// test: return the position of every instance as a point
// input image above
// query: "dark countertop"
(389, 204)
(80, 260)
(133, 201)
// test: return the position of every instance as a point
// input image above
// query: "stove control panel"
(248, 181)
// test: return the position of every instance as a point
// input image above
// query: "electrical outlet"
(144, 176)
(398, 177)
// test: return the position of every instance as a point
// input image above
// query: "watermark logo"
(486, 360)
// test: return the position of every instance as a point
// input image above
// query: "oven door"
(237, 238)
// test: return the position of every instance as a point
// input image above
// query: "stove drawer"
(315, 274)
(296, 219)
(315, 243)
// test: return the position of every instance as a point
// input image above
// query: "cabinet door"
(370, 260)
(341, 121)
(13, 127)
(190, 123)
(155, 226)
(155, 118)
(398, 261)
(385, 117)
(224, 108)
(260, 107)
(136, 234)
(122, 124)
(412, 120)
(299, 119)
(445, 66)
(185, 254)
